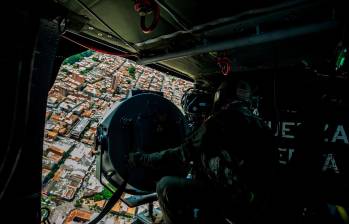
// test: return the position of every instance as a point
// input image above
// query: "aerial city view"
(86, 87)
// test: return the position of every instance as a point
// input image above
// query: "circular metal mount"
(146, 123)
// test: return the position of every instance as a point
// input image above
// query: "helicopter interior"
(294, 54)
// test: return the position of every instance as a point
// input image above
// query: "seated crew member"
(232, 157)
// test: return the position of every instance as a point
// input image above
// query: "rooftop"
(80, 214)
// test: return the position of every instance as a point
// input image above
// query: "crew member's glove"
(135, 159)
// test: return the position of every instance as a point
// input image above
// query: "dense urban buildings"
(86, 87)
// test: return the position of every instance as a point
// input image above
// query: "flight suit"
(233, 161)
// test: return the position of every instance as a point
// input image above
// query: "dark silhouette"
(232, 160)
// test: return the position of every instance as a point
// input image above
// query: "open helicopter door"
(144, 122)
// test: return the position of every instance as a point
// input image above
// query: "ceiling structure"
(190, 36)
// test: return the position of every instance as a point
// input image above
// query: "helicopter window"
(86, 88)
